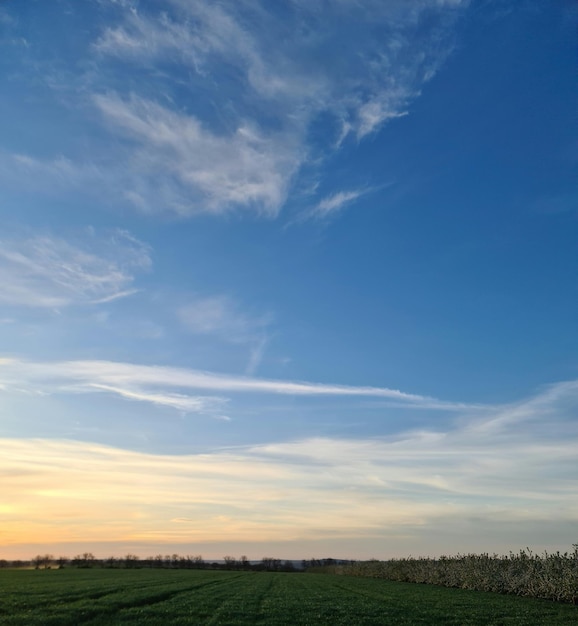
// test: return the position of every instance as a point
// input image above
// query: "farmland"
(144, 596)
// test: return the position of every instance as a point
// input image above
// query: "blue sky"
(292, 278)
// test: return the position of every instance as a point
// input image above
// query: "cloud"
(475, 485)
(239, 88)
(333, 203)
(206, 405)
(221, 317)
(52, 176)
(94, 376)
(256, 354)
(45, 271)
(176, 152)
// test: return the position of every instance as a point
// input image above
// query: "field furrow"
(162, 597)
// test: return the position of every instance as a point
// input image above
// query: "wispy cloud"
(238, 89)
(470, 488)
(256, 354)
(55, 175)
(176, 152)
(206, 405)
(394, 53)
(332, 204)
(46, 271)
(90, 376)
(222, 317)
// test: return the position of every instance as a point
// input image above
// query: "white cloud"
(46, 271)
(87, 376)
(260, 83)
(493, 480)
(218, 171)
(374, 113)
(238, 94)
(207, 405)
(480, 487)
(335, 202)
(53, 175)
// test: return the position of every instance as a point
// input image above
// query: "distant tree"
(131, 561)
(270, 564)
(198, 562)
(244, 562)
(288, 566)
(42, 560)
(230, 562)
(86, 559)
(267, 563)
(184, 562)
(61, 561)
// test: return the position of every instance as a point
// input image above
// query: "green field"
(103, 597)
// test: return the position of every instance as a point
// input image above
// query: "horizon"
(293, 280)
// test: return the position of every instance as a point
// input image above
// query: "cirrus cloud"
(51, 272)
(225, 100)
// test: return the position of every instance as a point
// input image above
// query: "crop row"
(106, 597)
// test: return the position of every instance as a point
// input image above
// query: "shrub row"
(549, 576)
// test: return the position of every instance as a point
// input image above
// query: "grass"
(102, 597)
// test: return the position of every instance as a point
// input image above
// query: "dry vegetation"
(549, 576)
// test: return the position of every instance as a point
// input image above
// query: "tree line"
(169, 561)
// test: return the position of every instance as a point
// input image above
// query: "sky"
(292, 279)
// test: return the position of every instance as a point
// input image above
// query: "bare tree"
(198, 562)
(61, 561)
(270, 564)
(42, 560)
(131, 561)
(230, 562)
